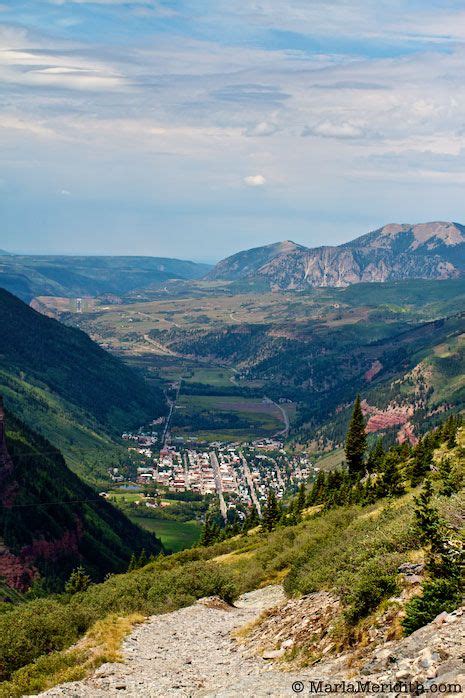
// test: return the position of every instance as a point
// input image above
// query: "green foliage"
(422, 459)
(78, 581)
(54, 507)
(391, 478)
(65, 386)
(372, 585)
(40, 627)
(448, 482)
(438, 595)
(271, 512)
(375, 456)
(443, 590)
(356, 440)
(301, 498)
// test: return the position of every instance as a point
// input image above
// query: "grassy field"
(261, 418)
(175, 535)
(212, 376)
(332, 460)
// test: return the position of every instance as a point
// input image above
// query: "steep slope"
(58, 380)
(50, 521)
(255, 261)
(30, 276)
(394, 252)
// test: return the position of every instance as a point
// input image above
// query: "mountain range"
(394, 252)
(29, 276)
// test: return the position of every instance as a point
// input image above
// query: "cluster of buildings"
(236, 473)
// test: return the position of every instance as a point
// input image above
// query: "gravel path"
(189, 653)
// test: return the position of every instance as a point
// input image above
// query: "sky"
(196, 129)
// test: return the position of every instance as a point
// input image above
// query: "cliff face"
(394, 252)
(50, 521)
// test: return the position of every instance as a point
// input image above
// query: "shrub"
(373, 584)
(181, 587)
(37, 628)
(438, 595)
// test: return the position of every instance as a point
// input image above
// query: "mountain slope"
(255, 261)
(56, 379)
(394, 252)
(30, 276)
(50, 521)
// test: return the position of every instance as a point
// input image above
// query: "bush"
(37, 628)
(180, 587)
(372, 586)
(44, 626)
(438, 595)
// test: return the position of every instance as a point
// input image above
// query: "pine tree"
(376, 456)
(428, 522)
(316, 493)
(301, 499)
(271, 512)
(78, 581)
(448, 486)
(132, 563)
(210, 531)
(356, 440)
(422, 458)
(391, 478)
(142, 561)
(443, 590)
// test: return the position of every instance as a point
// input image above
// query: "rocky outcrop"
(394, 252)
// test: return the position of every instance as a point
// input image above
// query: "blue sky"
(194, 129)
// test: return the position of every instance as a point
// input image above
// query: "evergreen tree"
(142, 561)
(210, 532)
(422, 459)
(356, 440)
(376, 456)
(316, 493)
(132, 563)
(448, 486)
(428, 522)
(78, 581)
(252, 519)
(443, 590)
(271, 512)
(301, 499)
(391, 478)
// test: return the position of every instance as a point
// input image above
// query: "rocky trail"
(193, 653)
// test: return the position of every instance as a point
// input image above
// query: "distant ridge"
(394, 252)
(28, 276)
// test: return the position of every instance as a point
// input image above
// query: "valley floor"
(192, 653)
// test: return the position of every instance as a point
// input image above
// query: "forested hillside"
(30, 276)
(61, 383)
(50, 521)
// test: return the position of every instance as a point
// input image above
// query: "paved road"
(253, 494)
(219, 488)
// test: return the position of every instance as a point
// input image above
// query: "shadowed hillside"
(56, 379)
(50, 521)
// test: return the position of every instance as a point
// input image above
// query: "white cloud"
(263, 128)
(333, 130)
(255, 180)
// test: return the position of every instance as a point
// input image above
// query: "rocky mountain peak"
(394, 252)
(429, 234)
